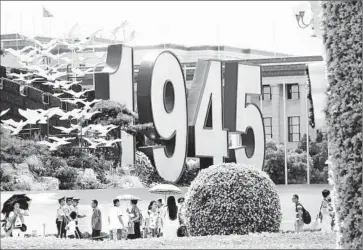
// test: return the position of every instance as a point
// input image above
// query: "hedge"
(231, 199)
(342, 37)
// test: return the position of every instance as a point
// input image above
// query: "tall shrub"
(342, 37)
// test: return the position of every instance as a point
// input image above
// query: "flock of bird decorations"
(94, 135)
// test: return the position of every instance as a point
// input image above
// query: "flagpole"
(307, 135)
(285, 130)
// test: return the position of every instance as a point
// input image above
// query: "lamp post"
(300, 20)
(314, 22)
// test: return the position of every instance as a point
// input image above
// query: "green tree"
(342, 37)
(119, 115)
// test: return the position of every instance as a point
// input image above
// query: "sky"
(263, 25)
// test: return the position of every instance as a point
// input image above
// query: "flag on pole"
(46, 13)
(310, 98)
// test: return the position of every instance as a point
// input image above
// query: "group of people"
(67, 218)
(159, 221)
(325, 218)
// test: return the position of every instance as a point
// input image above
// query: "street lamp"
(300, 20)
(313, 9)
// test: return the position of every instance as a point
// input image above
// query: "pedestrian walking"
(115, 221)
(136, 220)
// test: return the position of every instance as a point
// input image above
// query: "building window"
(293, 91)
(294, 128)
(24, 90)
(64, 106)
(266, 92)
(268, 127)
(189, 74)
(45, 98)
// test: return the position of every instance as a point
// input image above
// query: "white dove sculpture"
(67, 130)
(108, 143)
(92, 143)
(77, 94)
(101, 130)
(87, 105)
(15, 127)
(54, 145)
(61, 140)
(68, 84)
(52, 112)
(20, 76)
(73, 113)
(31, 116)
(52, 77)
(2, 113)
(72, 101)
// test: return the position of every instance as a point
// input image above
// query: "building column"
(276, 107)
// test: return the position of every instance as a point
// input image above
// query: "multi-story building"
(277, 70)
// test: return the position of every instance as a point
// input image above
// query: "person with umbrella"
(129, 216)
(165, 189)
(15, 208)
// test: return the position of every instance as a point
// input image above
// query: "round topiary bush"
(232, 199)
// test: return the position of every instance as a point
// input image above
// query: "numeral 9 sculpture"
(161, 99)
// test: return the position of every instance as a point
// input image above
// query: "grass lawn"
(304, 240)
(44, 204)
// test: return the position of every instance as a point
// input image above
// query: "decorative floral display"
(342, 37)
(231, 199)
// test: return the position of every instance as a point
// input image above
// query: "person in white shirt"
(71, 226)
(16, 221)
(75, 209)
(68, 208)
(115, 221)
(160, 211)
(61, 219)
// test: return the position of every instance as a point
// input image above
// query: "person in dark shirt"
(96, 220)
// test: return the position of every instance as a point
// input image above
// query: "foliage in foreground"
(230, 199)
(254, 241)
(342, 37)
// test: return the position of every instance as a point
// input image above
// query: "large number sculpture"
(115, 82)
(161, 99)
(195, 127)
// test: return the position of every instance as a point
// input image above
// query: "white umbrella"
(165, 189)
(127, 197)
